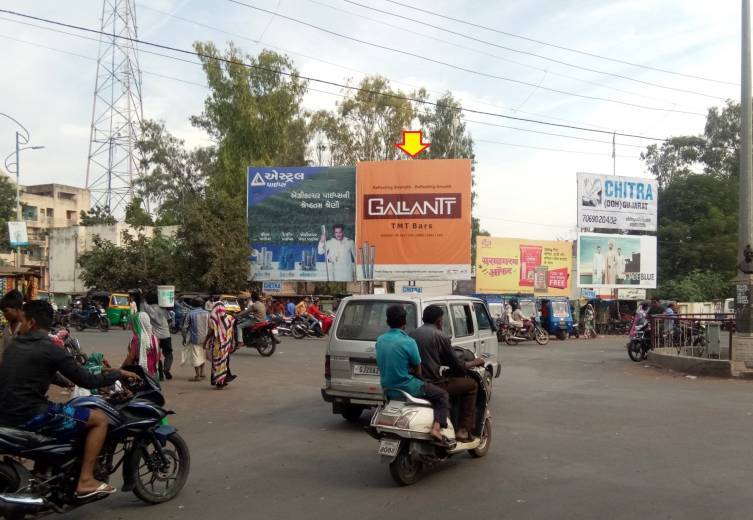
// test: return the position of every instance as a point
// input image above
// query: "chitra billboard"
(611, 202)
(616, 261)
(515, 266)
(414, 220)
(301, 223)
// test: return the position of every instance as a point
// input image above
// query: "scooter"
(403, 425)
(262, 336)
(513, 335)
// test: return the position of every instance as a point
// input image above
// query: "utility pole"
(742, 344)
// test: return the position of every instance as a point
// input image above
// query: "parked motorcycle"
(513, 335)
(155, 459)
(91, 317)
(403, 425)
(262, 336)
(640, 342)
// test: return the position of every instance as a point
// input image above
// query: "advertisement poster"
(513, 266)
(612, 202)
(414, 220)
(614, 261)
(301, 223)
(17, 234)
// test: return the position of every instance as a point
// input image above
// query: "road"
(579, 432)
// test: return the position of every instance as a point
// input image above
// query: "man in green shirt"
(400, 367)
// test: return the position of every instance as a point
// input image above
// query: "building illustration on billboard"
(615, 261)
(414, 220)
(301, 223)
(517, 266)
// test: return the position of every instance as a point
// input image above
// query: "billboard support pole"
(742, 343)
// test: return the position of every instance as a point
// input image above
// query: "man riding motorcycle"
(517, 318)
(256, 312)
(30, 365)
(315, 312)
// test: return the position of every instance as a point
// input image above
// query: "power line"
(529, 53)
(562, 47)
(546, 149)
(397, 82)
(465, 69)
(322, 81)
(547, 72)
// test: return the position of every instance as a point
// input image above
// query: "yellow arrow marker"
(413, 142)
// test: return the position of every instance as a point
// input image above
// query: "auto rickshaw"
(232, 306)
(556, 317)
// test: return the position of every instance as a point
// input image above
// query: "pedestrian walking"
(143, 350)
(161, 327)
(195, 327)
(219, 341)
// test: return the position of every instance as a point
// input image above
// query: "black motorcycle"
(91, 317)
(154, 458)
(302, 329)
(640, 342)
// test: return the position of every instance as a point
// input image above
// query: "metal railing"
(696, 335)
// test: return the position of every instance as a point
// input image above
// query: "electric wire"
(468, 70)
(562, 47)
(533, 54)
(318, 80)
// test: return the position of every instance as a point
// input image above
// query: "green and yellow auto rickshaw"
(117, 306)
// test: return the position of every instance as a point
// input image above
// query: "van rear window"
(366, 320)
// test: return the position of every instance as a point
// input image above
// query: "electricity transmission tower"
(113, 166)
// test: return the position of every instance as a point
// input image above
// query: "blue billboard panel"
(301, 223)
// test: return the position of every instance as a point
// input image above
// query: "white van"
(351, 375)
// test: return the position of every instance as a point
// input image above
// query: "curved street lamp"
(21, 139)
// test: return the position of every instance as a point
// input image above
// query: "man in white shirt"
(598, 267)
(612, 265)
(340, 255)
(620, 264)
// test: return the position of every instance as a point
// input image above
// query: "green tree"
(7, 209)
(366, 125)
(698, 204)
(97, 216)
(135, 215)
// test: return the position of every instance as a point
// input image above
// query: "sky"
(526, 181)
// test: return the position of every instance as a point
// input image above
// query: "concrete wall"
(67, 244)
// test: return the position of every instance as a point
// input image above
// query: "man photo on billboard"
(598, 267)
(340, 254)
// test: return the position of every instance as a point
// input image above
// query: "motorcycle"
(285, 325)
(155, 459)
(262, 336)
(640, 342)
(302, 328)
(513, 335)
(91, 317)
(403, 425)
(70, 344)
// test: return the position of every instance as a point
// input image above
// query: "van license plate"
(388, 447)
(365, 370)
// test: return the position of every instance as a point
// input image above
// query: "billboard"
(301, 223)
(615, 261)
(17, 233)
(513, 265)
(612, 202)
(414, 220)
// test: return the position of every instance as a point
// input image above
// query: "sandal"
(103, 489)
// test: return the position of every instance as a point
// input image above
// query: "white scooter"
(403, 425)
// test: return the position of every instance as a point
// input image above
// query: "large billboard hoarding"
(616, 261)
(612, 202)
(514, 266)
(414, 220)
(301, 223)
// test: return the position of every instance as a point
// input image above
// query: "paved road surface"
(579, 432)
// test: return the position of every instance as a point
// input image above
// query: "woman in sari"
(144, 347)
(219, 340)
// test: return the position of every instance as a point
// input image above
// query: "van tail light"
(327, 368)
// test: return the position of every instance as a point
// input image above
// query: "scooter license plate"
(388, 447)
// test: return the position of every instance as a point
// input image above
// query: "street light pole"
(742, 344)
(18, 197)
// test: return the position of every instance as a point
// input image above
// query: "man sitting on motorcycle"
(302, 311)
(315, 312)
(256, 312)
(518, 319)
(399, 365)
(29, 366)
(436, 351)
